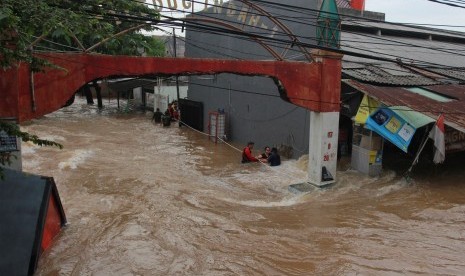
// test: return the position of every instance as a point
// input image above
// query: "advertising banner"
(392, 127)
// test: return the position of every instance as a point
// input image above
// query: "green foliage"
(62, 25)
(13, 130)
(59, 24)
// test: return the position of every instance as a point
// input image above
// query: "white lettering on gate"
(157, 5)
(186, 4)
(172, 5)
(243, 16)
(231, 11)
(217, 8)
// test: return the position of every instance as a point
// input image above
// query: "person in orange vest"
(247, 153)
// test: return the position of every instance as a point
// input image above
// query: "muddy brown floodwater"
(142, 199)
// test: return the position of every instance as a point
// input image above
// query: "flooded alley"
(142, 199)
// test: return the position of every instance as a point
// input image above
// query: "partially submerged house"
(427, 79)
(413, 74)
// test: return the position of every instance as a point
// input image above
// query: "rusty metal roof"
(454, 110)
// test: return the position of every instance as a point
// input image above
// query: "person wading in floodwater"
(247, 153)
(274, 159)
(157, 116)
(264, 156)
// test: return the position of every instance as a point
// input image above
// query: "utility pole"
(175, 54)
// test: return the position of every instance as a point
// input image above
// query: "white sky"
(420, 12)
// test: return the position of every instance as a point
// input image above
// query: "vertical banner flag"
(437, 134)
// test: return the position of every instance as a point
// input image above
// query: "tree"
(10, 129)
(26, 25)
(104, 26)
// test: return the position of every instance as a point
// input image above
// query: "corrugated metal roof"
(456, 74)
(397, 96)
(386, 75)
(399, 27)
(413, 51)
(419, 60)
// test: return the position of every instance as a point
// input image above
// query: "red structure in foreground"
(31, 217)
(315, 86)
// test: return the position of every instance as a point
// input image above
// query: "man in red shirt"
(247, 153)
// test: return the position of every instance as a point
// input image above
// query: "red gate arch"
(315, 86)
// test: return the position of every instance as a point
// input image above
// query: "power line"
(219, 30)
(448, 3)
(239, 35)
(228, 31)
(203, 28)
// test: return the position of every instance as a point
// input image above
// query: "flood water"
(142, 199)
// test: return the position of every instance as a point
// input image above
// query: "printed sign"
(7, 143)
(392, 127)
(367, 106)
(455, 140)
(406, 132)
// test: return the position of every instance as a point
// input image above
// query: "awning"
(414, 118)
(396, 124)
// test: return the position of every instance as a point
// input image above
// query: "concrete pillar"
(322, 155)
(17, 158)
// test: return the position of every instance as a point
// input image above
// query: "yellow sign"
(367, 106)
(393, 125)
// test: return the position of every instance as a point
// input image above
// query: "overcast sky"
(419, 11)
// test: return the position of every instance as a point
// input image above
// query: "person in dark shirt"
(157, 116)
(247, 153)
(264, 156)
(274, 159)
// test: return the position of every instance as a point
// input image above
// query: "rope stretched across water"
(237, 149)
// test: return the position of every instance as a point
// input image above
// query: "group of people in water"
(171, 114)
(270, 156)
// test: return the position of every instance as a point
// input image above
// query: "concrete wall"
(253, 106)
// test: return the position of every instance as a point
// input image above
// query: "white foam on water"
(78, 157)
(396, 186)
(284, 202)
(28, 148)
(265, 186)
(53, 138)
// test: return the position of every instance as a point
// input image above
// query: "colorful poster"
(392, 127)
(367, 106)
